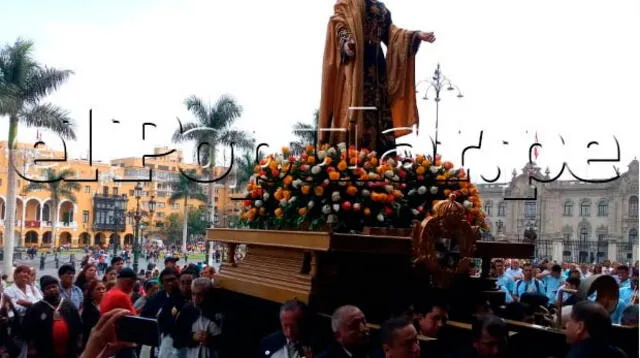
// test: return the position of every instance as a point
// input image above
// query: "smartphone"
(138, 330)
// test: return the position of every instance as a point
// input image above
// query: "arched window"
(584, 234)
(633, 236)
(487, 208)
(502, 209)
(633, 206)
(568, 208)
(585, 208)
(499, 227)
(603, 208)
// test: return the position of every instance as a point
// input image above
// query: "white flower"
(391, 162)
(422, 189)
(336, 207)
(359, 183)
(467, 204)
(263, 177)
(293, 199)
(311, 204)
(395, 178)
(331, 152)
(415, 211)
(452, 172)
(362, 155)
(407, 166)
(411, 192)
(388, 188)
(283, 202)
(342, 146)
(322, 154)
(265, 196)
(315, 170)
(332, 219)
(365, 192)
(380, 217)
(296, 183)
(258, 203)
(326, 209)
(356, 207)
(335, 196)
(282, 175)
(388, 173)
(435, 169)
(373, 175)
(434, 190)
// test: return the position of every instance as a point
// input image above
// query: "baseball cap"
(127, 273)
(171, 259)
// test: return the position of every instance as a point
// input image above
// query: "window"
(603, 208)
(499, 226)
(584, 234)
(105, 190)
(566, 236)
(87, 189)
(85, 216)
(487, 208)
(602, 237)
(633, 236)
(633, 206)
(115, 190)
(585, 208)
(568, 209)
(502, 209)
(530, 210)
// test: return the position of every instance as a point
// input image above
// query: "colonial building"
(102, 211)
(571, 220)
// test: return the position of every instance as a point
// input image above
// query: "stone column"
(634, 254)
(557, 249)
(612, 255)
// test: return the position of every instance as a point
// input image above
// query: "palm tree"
(23, 84)
(245, 165)
(214, 126)
(57, 191)
(305, 134)
(185, 189)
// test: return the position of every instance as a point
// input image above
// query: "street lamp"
(137, 216)
(437, 83)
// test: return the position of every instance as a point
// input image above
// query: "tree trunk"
(185, 223)
(54, 223)
(10, 208)
(212, 190)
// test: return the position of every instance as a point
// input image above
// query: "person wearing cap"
(68, 290)
(53, 324)
(170, 262)
(120, 295)
(118, 263)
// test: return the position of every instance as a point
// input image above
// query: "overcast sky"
(553, 67)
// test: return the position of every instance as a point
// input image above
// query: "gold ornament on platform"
(444, 242)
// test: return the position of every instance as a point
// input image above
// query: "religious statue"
(356, 74)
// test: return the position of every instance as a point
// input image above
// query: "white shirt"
(212, 329)
(31, 294)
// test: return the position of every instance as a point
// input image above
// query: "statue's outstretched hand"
(427, 36)
(349, 48)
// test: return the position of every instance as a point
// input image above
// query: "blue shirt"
(523, 286)
(506, 281)
(625, 283)
(76, 295)
(552, 284)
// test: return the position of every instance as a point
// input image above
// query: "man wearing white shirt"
(288, 342)
(22, 295)
(515, 271)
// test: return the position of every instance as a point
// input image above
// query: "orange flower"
(305, 189)
(278, 212)
(273, 164)
(327, 161)
(473, 190)
(278, 194)
(318, 190)
(441, 178)
(342, 166)
(373, 161)
(263, 211)
(334, 175)
(420, 170)
(426, 163)
(285, 150)
(367, 212)
(352, 190)
(287, 180)
(447, 192)
(464, 191)
(397, 194)
(353, 161)
(302, 211)
(286, 194)
(311, 159)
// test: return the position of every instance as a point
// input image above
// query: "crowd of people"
(75, 314)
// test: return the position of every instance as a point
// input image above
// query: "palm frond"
(225, 112)
(50, 117)
(42, 81)
(178, 135)
(199, 109)
(240, 139)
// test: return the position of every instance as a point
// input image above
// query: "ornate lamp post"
(137, 216)
(437, 83)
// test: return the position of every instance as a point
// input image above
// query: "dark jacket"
(183, 334)
(592, 348)
(90, 316)
(270, 344)
(335, 350)
(38, 327)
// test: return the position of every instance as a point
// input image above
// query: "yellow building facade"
(81, 222)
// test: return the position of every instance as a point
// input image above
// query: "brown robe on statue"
(343, 80)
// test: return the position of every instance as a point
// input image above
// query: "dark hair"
(91, 285)
(426, 305)
(168, 271)
(573, 281)
(556, 268)
(109, 269)
(596, 319)
(189, 271)
(81, 280)
(4, 276)
(66, 268)
(574, 271)
(390, 327)
(527, 264)
(623, 268)
(293, 305)
(493, 325)
(149, 283)
(20, 269)
(116, 259)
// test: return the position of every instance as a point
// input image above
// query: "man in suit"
(291, 340)
(351, 334)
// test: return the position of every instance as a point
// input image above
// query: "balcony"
(32, 223)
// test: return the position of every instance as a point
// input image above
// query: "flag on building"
(535, 149)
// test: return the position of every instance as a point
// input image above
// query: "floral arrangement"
(349, 189)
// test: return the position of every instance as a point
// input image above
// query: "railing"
(544, 249)
(625, 252)
(585, 251)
